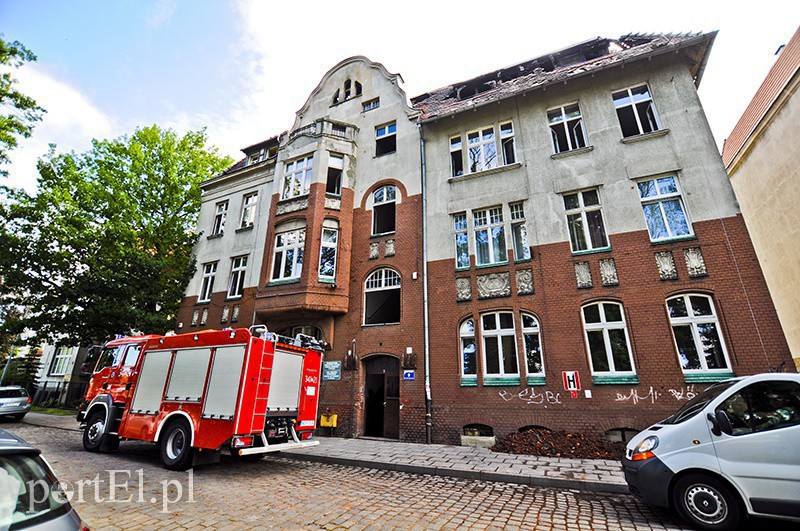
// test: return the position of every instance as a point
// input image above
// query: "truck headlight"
(644, 450)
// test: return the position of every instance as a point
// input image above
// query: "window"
(507, 143)
(335, 167)
(254, 158)
(207, 285)
(358, 88)
(663, 208)
(226, 311)
(236, 283)
(533, 347)
(219, 218)
(132, 355)
(60, 362)
(383, 210)
(347, 88)
(490, 236)
(522, 250)
(235, 313)
(297, 178)
(195, 317)
(456, 157)
(306, 330)
(585, 221)
(288, 258)
(462, 245)
(382, 297)
(386, 139)
(696, 331)
(481, 150)
(204, 316)
(566, 128)
(636, 111)
(763, 406)
(371, 104)
(327, 254)
(249, 210)
(469, 361)
(607, 338)
(499, 344)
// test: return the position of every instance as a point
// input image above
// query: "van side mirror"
(724, 422)
(714, 424)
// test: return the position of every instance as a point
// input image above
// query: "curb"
(42, 425)
(590, 486)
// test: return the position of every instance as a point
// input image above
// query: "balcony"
(324, 127)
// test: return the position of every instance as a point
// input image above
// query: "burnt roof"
(578, 60)
(258, 146)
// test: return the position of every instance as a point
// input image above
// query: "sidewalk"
(440, 460)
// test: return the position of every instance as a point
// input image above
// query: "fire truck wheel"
(175, 448)
(95, 432)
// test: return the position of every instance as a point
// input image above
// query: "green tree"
(105, 245)
(22, 111)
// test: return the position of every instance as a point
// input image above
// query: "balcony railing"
(327, 128)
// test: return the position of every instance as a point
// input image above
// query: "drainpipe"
(426, 350)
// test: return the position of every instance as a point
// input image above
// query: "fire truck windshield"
(109, 357)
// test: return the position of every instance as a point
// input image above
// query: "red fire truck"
(195, 395)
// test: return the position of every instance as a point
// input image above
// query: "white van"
(731, 451)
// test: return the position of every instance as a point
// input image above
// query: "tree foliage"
(19, 111)
(105, 245)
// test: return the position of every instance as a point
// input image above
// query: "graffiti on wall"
(636, 396)
(530, 396)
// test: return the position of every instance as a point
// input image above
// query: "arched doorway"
(382, 397)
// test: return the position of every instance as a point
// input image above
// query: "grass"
(53, 411)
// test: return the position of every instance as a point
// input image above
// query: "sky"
(241, 69)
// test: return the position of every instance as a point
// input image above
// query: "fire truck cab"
(195, 395)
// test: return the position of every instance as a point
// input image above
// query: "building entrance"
(382, 397)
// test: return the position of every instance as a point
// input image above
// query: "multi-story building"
(567, 214)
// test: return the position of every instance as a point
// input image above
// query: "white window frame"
(479, 147)
(537, 329)
(61, 359)
(220, 216)
(605, 326)
(692, 321)
(237, 276)
(499, 333)
(456, 149)
(384, 198)
(381, 279)
(485, 220)
(632, 103)
(249, 203)
(385, 131)
(507, 136)
(294, 240)
(207, 282)
(297, 177)
(568, 124)
(467, 335)
(661, 198)
(460, 228)
(582, 210)
(329, 245)
(518, 225)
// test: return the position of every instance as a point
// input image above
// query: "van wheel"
(175, 448)
(706, 502)
(94, 433)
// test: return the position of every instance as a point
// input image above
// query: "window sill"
(469, 381)
(592, 251)
(462, 269)
(244, 229)
(214, 236)
(283, 281)
(384, 154)
(487, 266)
(535, 380)
(522, 260)
(676, 239)
(202, 303)
(331, 281)
(382, 234)
(489, 381)
(365, 325)
(615, 379)
(645, 136)
(565, 154)
(498, 169)
(236, 298)
(707, 377)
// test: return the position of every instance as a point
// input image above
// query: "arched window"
(336, 97)
(499, 347)
(533, 349)
(469, 360)
(696, 331)
(383, 210)
(347, 86)
(287, 259)
(382, 297)
(607, 341)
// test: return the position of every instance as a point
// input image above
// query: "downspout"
(426, 333)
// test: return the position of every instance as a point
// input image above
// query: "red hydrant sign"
(572, 382)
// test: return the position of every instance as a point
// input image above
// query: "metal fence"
(59, 394)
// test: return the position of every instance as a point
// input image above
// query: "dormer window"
(254, 158)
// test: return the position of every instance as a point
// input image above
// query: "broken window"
(636, 111)
(347, 86)
(219, 218)
(254, 158)
(236, 282)
(371, 104)
(585, 221)
(456, 157)
(271, 152)
(358, 88)
(386, 139)
(382, 297)
(522, 249)
(383, 210)
(490, 236)
(482, 150)
(566, 128)
(336, 97)
(327, 254)
(288, 256)
(462, 245)
(297, 177)
(207, 285)
(335, 168)
(507, 143)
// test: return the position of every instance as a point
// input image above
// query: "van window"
(763, 406)
(698, 403)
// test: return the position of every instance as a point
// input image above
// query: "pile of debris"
(559, 443)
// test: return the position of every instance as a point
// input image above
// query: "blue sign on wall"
(409, 375)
